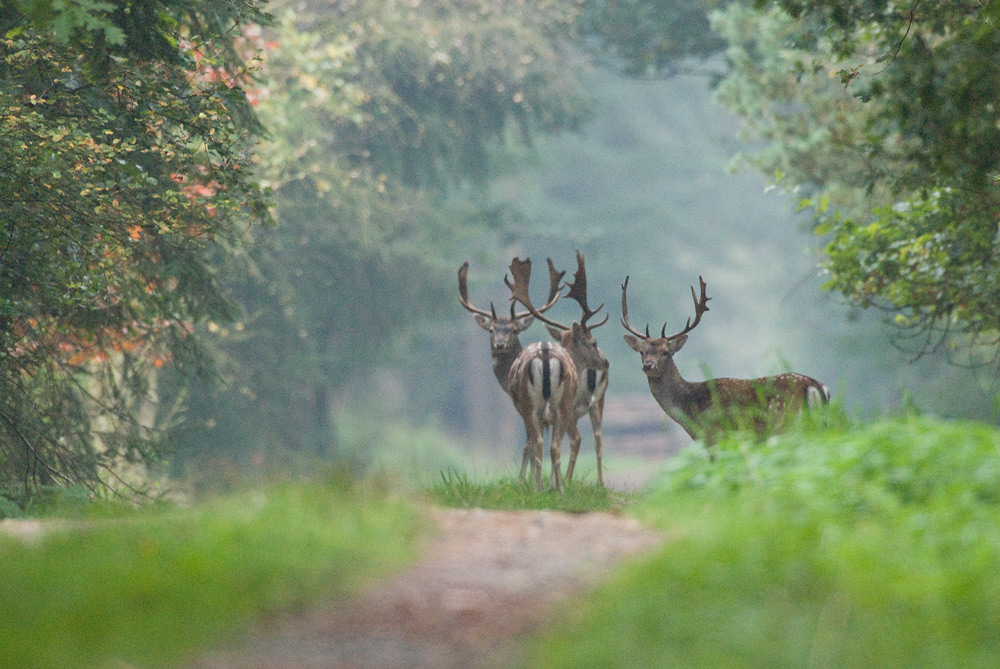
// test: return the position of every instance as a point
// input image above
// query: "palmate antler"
(521, 271)
(700, 307)
(578, 292)
(463, 294)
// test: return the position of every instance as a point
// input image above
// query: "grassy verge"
(872, 546)
(457, 489)
(151, 589)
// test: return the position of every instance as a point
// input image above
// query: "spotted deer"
(543, 383)
(706, 409)
(593, 381)
(544, 379)
(505, 345)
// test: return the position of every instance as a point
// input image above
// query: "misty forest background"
(388, 143)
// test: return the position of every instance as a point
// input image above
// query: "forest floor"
(484, 582)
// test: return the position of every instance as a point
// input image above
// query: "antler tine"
(463, 293)
(521, 271)
(555, 279)
(700, 307)
(578, 292)
(596, 325)
(625, 320)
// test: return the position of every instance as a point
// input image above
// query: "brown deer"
(505, 345)
(705, 409)
(543, 384)
(576, 339)
(593, 382)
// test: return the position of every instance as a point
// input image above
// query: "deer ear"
(555, 332)
(522, 324)
(485, 322)
(632, 342)
(676, 344)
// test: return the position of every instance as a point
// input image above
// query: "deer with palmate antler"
(593, 381)
(544, 379)
(705, 409)
(505, 345)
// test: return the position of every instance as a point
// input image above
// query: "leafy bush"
(872, 546)
(74, 501)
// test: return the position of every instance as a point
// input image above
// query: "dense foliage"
(881, 115)
(874, 545)
(878, 115)
(127, 136)
(651, 37)
(125, 141)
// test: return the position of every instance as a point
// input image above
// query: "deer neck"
(682, 400)
(503, 361)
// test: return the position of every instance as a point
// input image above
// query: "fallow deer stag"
(593, 382)
(505, 345)
(705, 409)
(576, 342)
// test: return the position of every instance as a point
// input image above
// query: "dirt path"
(487, 578)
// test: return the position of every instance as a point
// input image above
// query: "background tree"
(652, 37)
(882, 116)
(125, 140)
(386, 119)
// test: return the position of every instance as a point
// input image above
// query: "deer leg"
(596, 418)
(535, 446)
(526, 457)
(574, 447)
(536, 460)
(554, 447)
(532, 447)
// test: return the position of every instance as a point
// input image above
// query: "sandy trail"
(486, 579)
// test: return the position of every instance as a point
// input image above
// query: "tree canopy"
(880, 116)
(125, 146)
(651, 37)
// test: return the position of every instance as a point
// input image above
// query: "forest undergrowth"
(835, 545)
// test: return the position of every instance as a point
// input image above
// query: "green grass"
(153, 588)
(874, 546)
(456, 489)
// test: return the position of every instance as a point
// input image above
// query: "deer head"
(657, 352)
(576, 338)
(504, 330)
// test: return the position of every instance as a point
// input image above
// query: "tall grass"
(457, 489)
(151, 589)
(877, 546)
